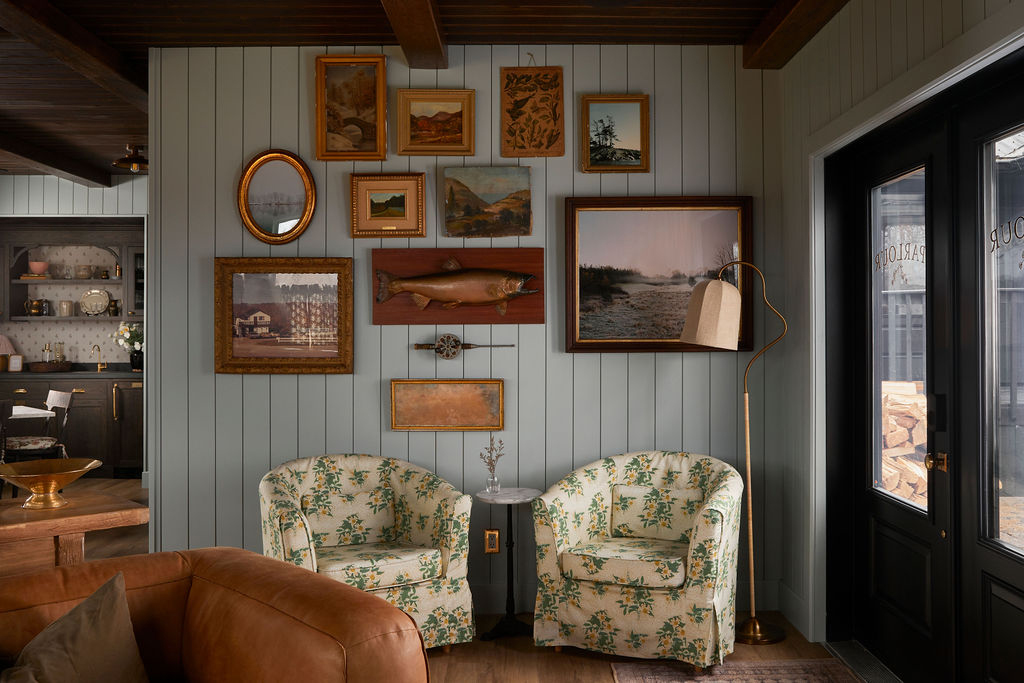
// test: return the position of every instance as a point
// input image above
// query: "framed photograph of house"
(283, 315)
(464, 405)
(615, 134)
(436, 122)
(387, 205)
(487, 201)
(351, 114)
(631, 263)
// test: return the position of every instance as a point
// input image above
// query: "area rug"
(786, 671)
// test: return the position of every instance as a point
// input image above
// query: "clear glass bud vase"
(493, 485)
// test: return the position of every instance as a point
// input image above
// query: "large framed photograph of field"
(436, 122)
(283, 315)
(351, 115)
(631, 263)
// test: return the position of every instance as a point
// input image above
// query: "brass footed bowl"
(44, 478)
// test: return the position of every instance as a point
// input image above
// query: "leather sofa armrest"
(251, 617)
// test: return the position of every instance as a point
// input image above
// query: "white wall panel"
(561, 410)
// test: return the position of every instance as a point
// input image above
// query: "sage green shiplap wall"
(214, 436)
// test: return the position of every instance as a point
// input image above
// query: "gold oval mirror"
(276, 196)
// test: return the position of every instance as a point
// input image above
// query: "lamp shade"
(713, 318)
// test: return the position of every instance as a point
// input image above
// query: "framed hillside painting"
(631, 263)
(283, 315)
(614, 134)
(487, 201)
(351, 119)
(388, 205)
(436, 122)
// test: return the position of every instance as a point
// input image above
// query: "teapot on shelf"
(37, 307)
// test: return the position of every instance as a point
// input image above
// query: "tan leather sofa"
(225, 614)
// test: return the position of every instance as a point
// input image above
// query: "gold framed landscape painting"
(436, 122)
(615, 134)
(351, 114)
(388, 205)
(283, 315)
(448, 405)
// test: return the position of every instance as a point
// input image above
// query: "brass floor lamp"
(713, 319)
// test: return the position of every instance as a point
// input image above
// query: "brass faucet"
(100, 365)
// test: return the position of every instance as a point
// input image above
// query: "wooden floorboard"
(515, 660)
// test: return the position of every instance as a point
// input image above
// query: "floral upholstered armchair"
(382, 525)
(636, 556)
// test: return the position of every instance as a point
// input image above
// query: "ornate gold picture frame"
(436, 122)
(276, 196)
(388, 205)
(351, 109)
(283, 315)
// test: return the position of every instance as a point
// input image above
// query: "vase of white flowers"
(129, 336)
(490, 457)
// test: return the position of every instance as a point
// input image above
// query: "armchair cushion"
(379, 565)
(649, 512)
(34, 443)
(650, 562)
(351, 518)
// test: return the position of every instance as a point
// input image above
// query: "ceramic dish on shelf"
(94, 302)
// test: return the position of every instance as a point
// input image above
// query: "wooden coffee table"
(32, 540)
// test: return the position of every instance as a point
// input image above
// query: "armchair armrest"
(287, 533)
(714, 540)
(431, 512)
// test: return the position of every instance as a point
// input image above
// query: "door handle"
(21, 391)
(939, 462)
(78, 391)
(114, 402)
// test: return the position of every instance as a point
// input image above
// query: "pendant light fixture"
(133, 161)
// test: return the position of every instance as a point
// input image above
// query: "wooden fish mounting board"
(402, 310)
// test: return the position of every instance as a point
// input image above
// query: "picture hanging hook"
(533, 61)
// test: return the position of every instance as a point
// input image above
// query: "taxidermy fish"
(457, 286)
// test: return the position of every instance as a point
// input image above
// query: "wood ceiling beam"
(417, 26)
(54, 163)
(787, 28)
(43, 25)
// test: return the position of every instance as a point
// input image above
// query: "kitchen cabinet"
(105, 421)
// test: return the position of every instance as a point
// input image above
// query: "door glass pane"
(899, 349)
(1004, 331)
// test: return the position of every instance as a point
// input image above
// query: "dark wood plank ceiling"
(52, 107)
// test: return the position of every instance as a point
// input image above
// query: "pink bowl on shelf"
(38, 267)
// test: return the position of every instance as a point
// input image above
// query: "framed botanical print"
(532, 111)
(351, 114)
(283, 315)
(631, 263)
(614, 134)
(387, 205)
(436, 122)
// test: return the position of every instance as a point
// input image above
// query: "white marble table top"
(21, 412)
(508, 496)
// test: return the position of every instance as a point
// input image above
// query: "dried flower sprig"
(492, 453)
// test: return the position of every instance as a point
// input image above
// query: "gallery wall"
(213, 436)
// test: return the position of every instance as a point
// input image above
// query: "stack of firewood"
(905, 440)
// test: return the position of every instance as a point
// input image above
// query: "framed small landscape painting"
(350, 108)
(631, 263)
(436, 122)
(487, 201)
(387, 205)
(283, 315)
(615, 135)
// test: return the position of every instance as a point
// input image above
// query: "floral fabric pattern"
(382, 525)
(605, 591)
(629, 561)
(17, 443)
(649, 512)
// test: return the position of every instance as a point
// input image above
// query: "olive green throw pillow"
(93, 642)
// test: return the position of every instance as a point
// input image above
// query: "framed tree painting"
(436, 122)
(351, 116)
(283, 315)
(631, 263)
(614, 134)
(532, 111)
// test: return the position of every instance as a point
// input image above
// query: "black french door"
(925, 324)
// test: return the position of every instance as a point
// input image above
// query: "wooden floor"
(507, 659)
(519, 660)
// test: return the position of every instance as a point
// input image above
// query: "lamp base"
(753, 632)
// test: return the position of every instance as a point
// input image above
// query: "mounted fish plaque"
(458, 286)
